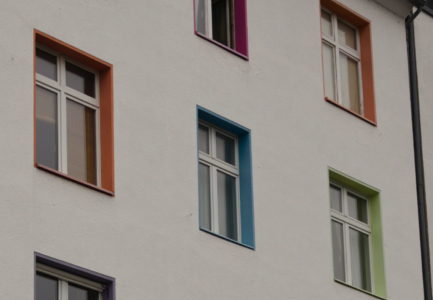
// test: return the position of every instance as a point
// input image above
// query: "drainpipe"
(417, 144)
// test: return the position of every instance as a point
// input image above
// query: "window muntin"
(67, 117)
(53, 284)
(219, 183)
(341, 62)
(351, 238)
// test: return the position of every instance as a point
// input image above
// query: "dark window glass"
(222, 22)
(227, 210)
(225, 148)
(80, 79)
(430, 3)
(46, 64)
(204, 197)
(46, 287)
(80, 293)
(46, 128)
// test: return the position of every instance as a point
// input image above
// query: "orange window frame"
(106, 108)
(364, 29)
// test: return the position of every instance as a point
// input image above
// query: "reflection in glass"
(349, 83)
(335, 195)
(80, 79)
(227, 210)
(203, 139)
(81, 142)
(80, 293)
(204, 196)
(46, 287)
(222, 28)
(357, 208)
(338, 251)
(46, 64)
(201, 16)
(360, 260)
(225, 148)
(326, 23)
(346, 35)
(329, 71)
(46, 128)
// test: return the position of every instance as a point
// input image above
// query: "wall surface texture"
(147, 236)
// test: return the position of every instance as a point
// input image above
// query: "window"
(429, 7)
(57, 280)
(347, 64)
(356, 234)
(73, 105)
(225, 180)
(224, 22)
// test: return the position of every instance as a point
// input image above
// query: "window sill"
(228, 239)
(222, 46)
(351, 112)
(358, 289)
(91, 186)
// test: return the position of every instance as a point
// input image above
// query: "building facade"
(209, 150)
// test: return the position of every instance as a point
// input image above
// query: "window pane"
(346, 35)
(349, 83)
(80, 293)
(338, 251)
(360, 260)
(357, 208)
(329, 71)
(227, 205)
(201, 16)
(326, 23)
(221, 21)
(46, 64)
(80, 79)
(225, 148)
(204, 196)
(81, 142)
(46, 128)
(335, 195)
(46, 287)
(203, 138)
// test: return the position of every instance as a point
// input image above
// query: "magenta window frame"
(241, 30)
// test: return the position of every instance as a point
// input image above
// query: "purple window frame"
(241, 30)
(109, 292)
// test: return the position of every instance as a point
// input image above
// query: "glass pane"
(227, 211)
(349, 83)
(357, 208)
(360, 260)
(203, 138)
(80, 79)
(338, 251)
(81, 142)
(329, 71)
(346, 35)
(221, 22)
(201, 16)
(80, 293)
(46, 128)
(225, 148)
(335, 195)
(204, 196)
(326, 23)
(46, 64)
(46, 288)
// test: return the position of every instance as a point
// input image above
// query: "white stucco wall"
(147, 236)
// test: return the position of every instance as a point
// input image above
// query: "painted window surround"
(106, 108)
(245, 174)
(364, 29)
(377, 255)
(109, 292)
(241, 30)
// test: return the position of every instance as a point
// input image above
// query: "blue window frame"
(225, 178)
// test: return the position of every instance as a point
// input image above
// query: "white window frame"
(348, 222)
(215, 165)
(65, 278)
(230, 19)
(65, 93)
(337, 47)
